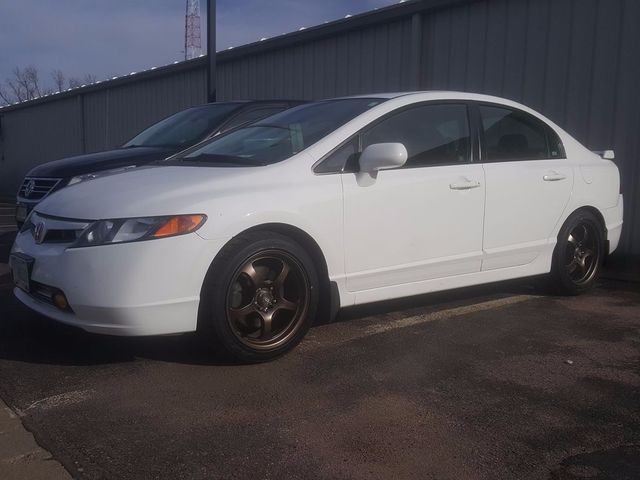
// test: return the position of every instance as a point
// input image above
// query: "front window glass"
(185, 128)
(279, 136)
(432, 134)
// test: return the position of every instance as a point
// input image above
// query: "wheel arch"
(593, 210)
(329, 294)
(583, 208)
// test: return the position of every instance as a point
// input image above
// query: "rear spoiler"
(606, 154)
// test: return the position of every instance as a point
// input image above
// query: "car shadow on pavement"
(26, 336)
(29, 337)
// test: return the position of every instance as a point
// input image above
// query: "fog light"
(60, 301)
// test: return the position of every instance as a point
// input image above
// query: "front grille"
(61, 236)
(46, 229)
(37, 188)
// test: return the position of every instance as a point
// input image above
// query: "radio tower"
(192, 42)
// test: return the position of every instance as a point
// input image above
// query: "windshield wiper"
(271, 125)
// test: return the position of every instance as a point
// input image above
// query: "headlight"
(106, 232)
(91, 176)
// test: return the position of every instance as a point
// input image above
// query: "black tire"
(259, 298)
(579, 254)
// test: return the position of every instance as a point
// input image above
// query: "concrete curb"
(20, 456)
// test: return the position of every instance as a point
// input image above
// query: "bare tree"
(25, 84)
(5, 98)
(74, 82)
(90, 78)
(59, 80)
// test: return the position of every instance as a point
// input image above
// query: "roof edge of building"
(343, 25)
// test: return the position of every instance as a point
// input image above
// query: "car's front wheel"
(260, 296)
(579, 254)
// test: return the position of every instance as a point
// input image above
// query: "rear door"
(528, 182)
(421, 221)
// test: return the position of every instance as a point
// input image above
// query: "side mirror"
(383, 156)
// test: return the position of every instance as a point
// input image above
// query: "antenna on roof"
(192, 40)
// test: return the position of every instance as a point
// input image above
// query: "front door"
(421, 221)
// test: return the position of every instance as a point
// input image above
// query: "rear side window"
(556, 148)
(432, 134)
(511, 135)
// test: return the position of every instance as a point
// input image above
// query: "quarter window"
(511, 135)
(432, 134)
(344, 158)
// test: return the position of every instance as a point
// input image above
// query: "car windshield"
(280, 136)
(185, 128)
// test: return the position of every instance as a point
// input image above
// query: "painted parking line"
(60, 400)
(445, 314)
(314, 343)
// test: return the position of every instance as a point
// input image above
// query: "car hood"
(95, 162)
(147, 191)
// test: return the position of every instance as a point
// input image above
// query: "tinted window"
(184, 128)
(279, 136)
(251, 116)
(340, 159)
(556, 148)
(514, 135)
(432, 134)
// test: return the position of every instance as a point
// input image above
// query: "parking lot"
(493, 382)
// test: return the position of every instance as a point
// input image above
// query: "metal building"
(576, 61)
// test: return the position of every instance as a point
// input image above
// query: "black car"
(159, 141)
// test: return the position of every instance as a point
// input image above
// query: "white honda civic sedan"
(340, 202)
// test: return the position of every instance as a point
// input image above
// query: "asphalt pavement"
(496, 382)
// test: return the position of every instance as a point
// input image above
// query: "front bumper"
(132, 289)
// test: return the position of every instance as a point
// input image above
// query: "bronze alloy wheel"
(268, 299)
(582, 254)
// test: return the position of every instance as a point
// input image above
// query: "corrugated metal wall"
(577, 61)
(372, 59)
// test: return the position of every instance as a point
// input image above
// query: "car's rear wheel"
(260, 297)
(579, 254)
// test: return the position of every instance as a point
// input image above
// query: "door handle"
(554, 177)
(464, 185)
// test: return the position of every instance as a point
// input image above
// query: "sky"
(106, 38)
